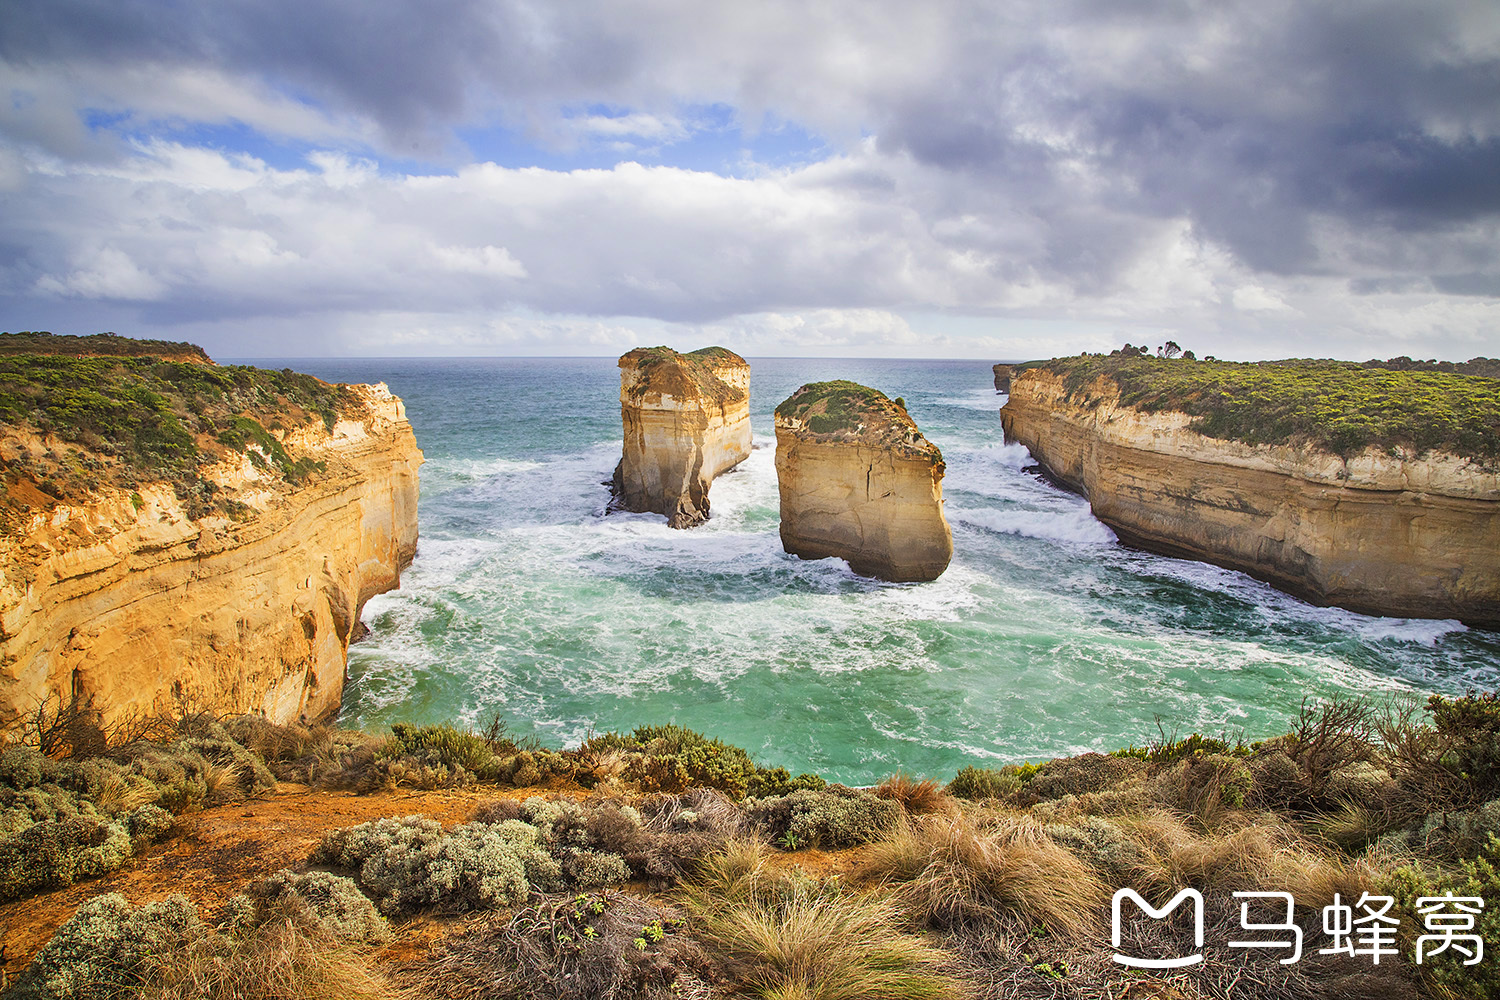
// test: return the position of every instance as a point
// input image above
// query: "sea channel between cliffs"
(1037, 641)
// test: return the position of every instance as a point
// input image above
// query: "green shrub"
(1470, 729)
(99, 952)
(832, 817)
(977, 783)
(1475, 877)
(66, 820)
(413, 862)
(1090, 772)
(332, 901)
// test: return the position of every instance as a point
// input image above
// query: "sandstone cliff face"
(686, 419)
(1003, 374)
(129, 600)
(860, 482)
(1381, 534)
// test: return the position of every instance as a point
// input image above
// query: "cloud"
(1238, 172)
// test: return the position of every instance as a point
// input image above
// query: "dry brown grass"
(283, 959)
(787, 937)
(949, 872)
(1264, 856)
(915, 796)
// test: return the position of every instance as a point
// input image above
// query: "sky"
(996, 180)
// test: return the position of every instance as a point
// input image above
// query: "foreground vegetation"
(663, 863)
(130, 416)
(1339, 407)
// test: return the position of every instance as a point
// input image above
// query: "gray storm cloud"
(1241, 170)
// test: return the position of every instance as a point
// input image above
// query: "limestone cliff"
(139, 598)
(1385, 531)
(1003, 375)
(860, 482)
(686, 419)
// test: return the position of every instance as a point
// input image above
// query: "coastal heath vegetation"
(596, 881)
(109, 411)
(1335, 406)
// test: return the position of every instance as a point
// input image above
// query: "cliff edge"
(185, 534)
(686, 420)
(1376, 491)
(860, 482)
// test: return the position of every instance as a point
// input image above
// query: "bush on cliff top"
(66, 820)
(1338, 407)
(104, 344)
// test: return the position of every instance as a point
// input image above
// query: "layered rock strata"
(860, 482)
(127, 600)
(686, 419)
(1385, 532)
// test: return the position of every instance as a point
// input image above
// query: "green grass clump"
(1335, 406)
(672, 758)
(1474, 878)
(978, 783)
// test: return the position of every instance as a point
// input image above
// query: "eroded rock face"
(686, 419)
(1381, 534)
(860, 482)
(1003, 374)
(128, 600)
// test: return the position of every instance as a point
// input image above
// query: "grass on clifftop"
(1338, 407)
(101, 344)
(140, 418)
(667, 371)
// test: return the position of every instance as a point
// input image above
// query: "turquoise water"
(1045, 636)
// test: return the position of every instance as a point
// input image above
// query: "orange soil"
(221, 850)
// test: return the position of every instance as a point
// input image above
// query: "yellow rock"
(1382, 533)
(860, 482)
(686, 419)
(135, 604)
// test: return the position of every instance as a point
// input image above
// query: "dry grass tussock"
(915, 796)
(283, 959)
(1262, 856)
(787, 937)
(950, 872)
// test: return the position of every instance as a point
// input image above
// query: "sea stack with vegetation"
(860, 482)
(686, 419)
(1357, 485)
(174, 531)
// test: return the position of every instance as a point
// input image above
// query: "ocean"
(1045, 637)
